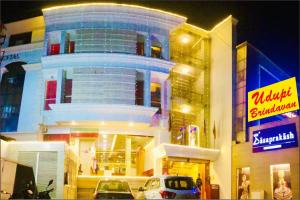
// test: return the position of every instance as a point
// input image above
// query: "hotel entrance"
(113, 155)
(188, 167)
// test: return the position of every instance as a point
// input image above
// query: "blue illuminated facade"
(258, 71)
(107, 42)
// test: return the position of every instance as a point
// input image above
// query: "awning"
(182, 151)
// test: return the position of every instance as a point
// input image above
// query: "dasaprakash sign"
(279, 137)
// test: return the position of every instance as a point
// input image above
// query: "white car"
(170, 187)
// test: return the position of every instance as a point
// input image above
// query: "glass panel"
(106, 155)
(156, 96)
(113, 186)
(50, 97)
(179, 183)
(106, 40)
(104, 85)
(139, 89)
(11, 89)
(19, 39)
(54, 49)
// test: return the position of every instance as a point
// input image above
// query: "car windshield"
(179, 183)
(113, 186)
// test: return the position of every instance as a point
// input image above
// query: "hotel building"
(129, 91)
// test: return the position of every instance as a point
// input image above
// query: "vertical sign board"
(279, 137)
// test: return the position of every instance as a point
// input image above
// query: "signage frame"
(285, 136)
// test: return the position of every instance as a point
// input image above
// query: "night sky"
(272, 27)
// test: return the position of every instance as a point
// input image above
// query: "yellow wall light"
(185, 109)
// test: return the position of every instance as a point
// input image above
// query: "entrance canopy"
(174, 150)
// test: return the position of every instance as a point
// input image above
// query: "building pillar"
(147, 88)
(147, 44)
(2, 71)
(6, 42)
(62, 42)
(128, 156)
(59, 86)
(165, 48)
(46, 44)
(158, 166)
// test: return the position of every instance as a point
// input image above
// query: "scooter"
(29, 192)
(45, 194)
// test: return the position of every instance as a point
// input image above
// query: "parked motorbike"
(46, 194)
(29, 192)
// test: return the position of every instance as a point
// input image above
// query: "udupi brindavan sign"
(279, 137)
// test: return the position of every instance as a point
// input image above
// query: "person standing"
(199, 183)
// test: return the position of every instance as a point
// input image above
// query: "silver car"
(169, 187)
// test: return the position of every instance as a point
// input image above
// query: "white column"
(147, 45)
(59, 86)
(147, 88)
(128, 156)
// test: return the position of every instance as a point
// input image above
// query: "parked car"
(113, 189)
(170, 187)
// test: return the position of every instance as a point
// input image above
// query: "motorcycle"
(30, 192)
(45, 194)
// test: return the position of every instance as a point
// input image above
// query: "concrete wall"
(149, 163)
(30, 112)
(259, 163)
(221, 103)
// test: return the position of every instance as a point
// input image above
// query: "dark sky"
(273, 27)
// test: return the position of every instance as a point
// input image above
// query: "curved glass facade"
(11, 89)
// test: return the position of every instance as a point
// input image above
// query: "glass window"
(179, 183)
(155, 184)
(239, 124)
(113, 186)
(139, 89)
(11, 89)
(19, 39)
(140, 50)
(54, 49)
(67, 87)
(156, 48)
(148, 184)
(69, 44)
(156, 52)
(156, 95)
(50, 97)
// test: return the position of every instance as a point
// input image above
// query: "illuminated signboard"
(273, 99)
(279, 137)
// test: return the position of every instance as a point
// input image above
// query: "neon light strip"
(272, 147)
(112, 4)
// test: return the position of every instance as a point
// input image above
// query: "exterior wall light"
(186, 109)
(185, 70)
(184, 39)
